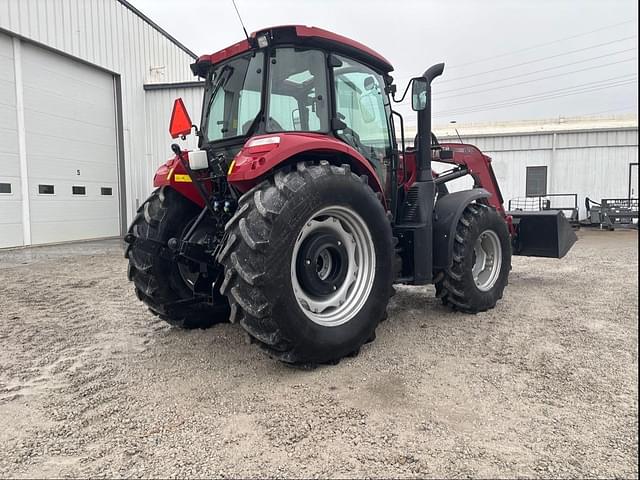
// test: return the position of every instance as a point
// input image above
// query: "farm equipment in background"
(566, 203)
(301, 208)
(611, 212)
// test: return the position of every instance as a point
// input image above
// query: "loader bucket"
(542, 234)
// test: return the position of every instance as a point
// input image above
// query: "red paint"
(410, 166)
(252, 165)
(480, 169)
(187, 189)
(235, 49)
(479, 166)
(407, 170)
(302, 32)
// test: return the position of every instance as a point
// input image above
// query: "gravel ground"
(545, 385)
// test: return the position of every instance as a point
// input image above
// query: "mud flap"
(542, 234)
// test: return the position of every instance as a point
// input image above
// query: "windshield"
(233, 97)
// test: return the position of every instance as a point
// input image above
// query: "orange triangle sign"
(180, 122)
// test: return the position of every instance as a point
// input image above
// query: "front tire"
(308, 263)
(481, 262)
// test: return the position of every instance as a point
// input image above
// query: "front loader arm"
(470, 161)
(538, 234)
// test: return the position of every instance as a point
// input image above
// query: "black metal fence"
(565, 202)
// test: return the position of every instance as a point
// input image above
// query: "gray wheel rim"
(487, 253)
(349, 297)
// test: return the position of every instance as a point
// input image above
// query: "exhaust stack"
(424, 125)
(423, 189)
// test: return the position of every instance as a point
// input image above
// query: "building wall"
(159, 104)
(111, 36)
(591, 163)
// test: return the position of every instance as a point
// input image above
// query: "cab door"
(362, 106)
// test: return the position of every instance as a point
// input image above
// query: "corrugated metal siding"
(158, 110)
(107, 34)
(593, 164)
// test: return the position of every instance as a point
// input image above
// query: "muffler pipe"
(424, 126)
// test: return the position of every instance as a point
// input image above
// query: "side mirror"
(419, 94)
(369, 83)
(180, 124)
(368, 106)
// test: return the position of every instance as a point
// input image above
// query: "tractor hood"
(296, 35)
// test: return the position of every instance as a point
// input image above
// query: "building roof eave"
(172, 39)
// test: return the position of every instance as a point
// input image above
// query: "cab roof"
(298, 35)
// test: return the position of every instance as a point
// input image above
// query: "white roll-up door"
(72, 158)
(10, 192)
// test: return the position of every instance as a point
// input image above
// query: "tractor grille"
(410, 211)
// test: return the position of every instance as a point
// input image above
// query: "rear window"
(298, 98)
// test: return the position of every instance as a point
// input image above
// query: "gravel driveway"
(545, 385)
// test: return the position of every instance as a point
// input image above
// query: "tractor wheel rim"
(487, 254)
(333, 266)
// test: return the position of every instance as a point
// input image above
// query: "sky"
(505, 59)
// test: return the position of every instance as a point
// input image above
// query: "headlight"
(263, 41)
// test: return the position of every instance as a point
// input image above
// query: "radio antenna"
(453, 122)
(240, 18)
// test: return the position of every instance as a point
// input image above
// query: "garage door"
(10, 195)
(70, 130)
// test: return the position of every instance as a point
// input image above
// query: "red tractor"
(300, 210)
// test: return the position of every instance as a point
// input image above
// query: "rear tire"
(300, 310)
(481, 261)
(158, 281)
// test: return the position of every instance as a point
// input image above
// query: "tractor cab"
(298, 80)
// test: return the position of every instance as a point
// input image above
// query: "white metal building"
(82, 128)
(591, 157)
(86, 88)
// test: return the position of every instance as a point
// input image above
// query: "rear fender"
(447, 212)
(172, 173)
(254, 163)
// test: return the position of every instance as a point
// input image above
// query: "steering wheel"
(272, 125)
(349, 131)
(354, 135)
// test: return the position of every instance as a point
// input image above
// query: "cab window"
(362, 106)
(232, 97)
(297, 98)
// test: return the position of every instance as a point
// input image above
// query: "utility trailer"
(610, 212)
